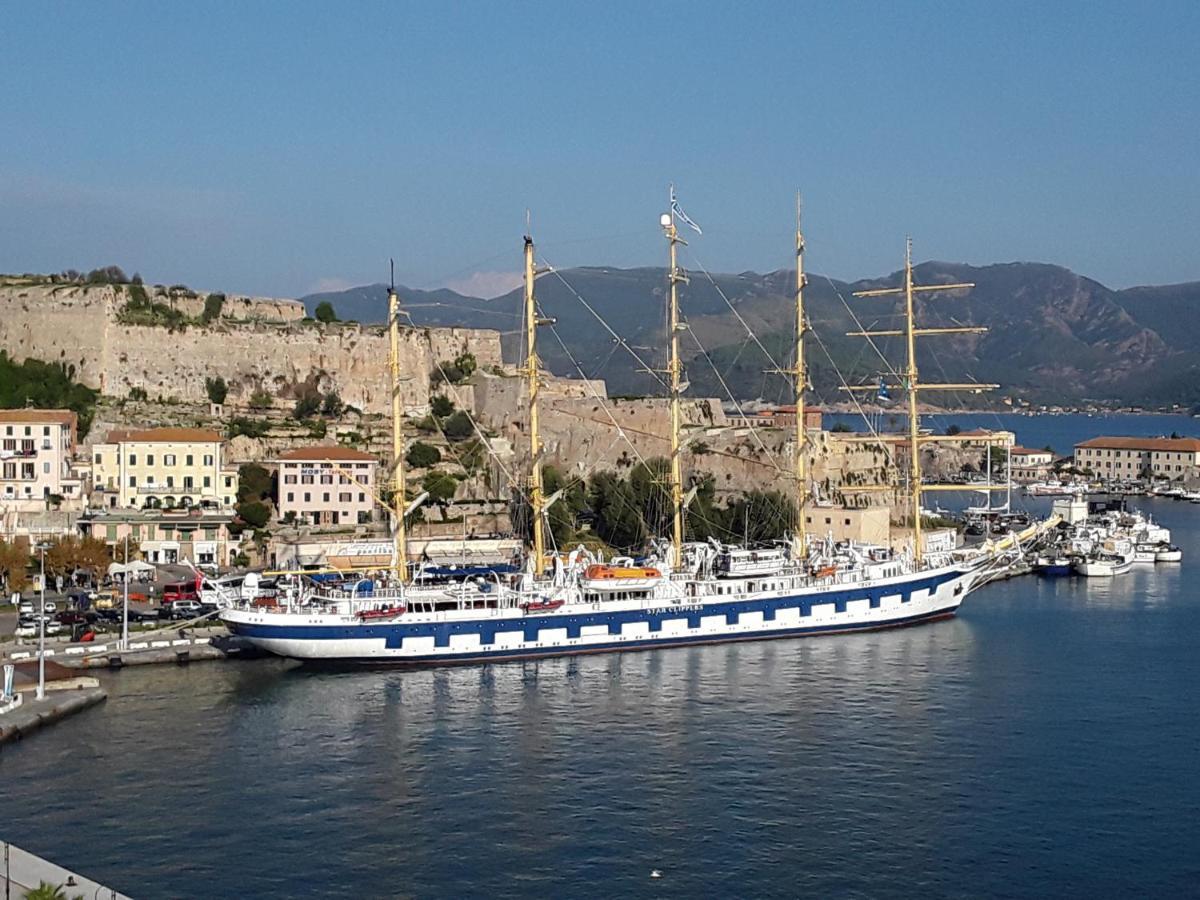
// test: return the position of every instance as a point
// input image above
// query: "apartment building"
(1136, 457)
(163, 468)
(200, 536)
(36, 451)
(327, 486)
(1029, 464)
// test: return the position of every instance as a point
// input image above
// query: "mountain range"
(1054, 335)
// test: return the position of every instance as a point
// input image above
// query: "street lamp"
(125, 612)
(41, 686)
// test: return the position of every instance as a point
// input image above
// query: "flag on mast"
(675, 210)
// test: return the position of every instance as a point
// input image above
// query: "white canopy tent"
(135, 567)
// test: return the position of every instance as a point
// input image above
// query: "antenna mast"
(536, 499)
(399, 501)
(676, 277)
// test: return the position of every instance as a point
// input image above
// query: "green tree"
(616, 518)
(325, 312)
(441, 406)
(421, 455)
(307, 405)
(212, 309)
(440, 485)
(255, 482)
(41, 385)
(217, 389)
(458, 427)
(466, 364)
(254, 513)
(71, 552)
(14, 564)
(138, 394)
(47, 891)
(332, 405)
(261, 399)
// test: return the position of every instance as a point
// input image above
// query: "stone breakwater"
(255, 344)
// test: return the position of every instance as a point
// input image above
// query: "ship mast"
(912, 385)
(536, 499)
(676, 277)
(399, 501)
(801, 376)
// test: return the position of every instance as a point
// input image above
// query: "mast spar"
(913, 386)
(676, 277)
(801, 378)
(536, 492)
(399, 501)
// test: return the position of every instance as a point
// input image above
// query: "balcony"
(165, 489)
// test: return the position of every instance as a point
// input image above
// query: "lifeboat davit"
(599, 577)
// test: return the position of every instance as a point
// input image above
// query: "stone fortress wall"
(257, 343)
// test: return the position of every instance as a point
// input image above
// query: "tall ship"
(681, 592)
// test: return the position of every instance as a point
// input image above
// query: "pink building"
(36, 450)
(327, 486)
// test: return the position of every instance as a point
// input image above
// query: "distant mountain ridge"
(1054, 335)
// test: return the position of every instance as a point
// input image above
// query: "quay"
(67, 693)
(24, 871)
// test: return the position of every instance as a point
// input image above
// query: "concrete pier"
(57, 705)
(22, 871)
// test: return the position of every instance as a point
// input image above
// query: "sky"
(283, 148)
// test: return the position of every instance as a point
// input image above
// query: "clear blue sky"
(278, 147)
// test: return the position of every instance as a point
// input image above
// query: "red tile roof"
(1174, 445)
(49, 416)
(326, 452)
(163, 435)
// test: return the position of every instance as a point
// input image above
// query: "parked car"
(186, 609)
(25, 608)
(49, 607)
(70, 617)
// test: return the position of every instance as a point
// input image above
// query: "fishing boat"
(1052, 566)
(1168, 553)
(685, 593)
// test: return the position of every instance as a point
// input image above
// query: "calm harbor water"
(1044, 743)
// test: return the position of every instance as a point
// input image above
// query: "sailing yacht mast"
(676, 277)
(399, 502)
(801, 376)
(912, 382)
(536, 500)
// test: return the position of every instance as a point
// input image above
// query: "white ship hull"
(467, 636)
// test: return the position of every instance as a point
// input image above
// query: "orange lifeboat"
(599, 572)
(825, 572)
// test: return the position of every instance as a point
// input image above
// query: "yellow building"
(163, 468)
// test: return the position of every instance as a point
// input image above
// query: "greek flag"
(883, 391)
(675, 210)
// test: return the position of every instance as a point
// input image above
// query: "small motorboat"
(386, 612)
(543, 605)
(1102, 566)
(1052, 566)
(1145, 553)
(1169, 553)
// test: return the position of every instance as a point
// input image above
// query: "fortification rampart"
(255, 344)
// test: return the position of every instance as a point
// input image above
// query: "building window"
(45, 468)
(345, 498)
(307, 497)
(97, 459)
(207, 481)
(362, 498)
(133, 459)
(187, 460)
(149, 459)
(169, 459)
(133, 481)
(325, 497)
(208, 460)
(291, 497)
(289, 479)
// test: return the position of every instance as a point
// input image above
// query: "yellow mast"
(536, 500)
(801, 376)
(674, 371)
(912, 382)
(399, 501)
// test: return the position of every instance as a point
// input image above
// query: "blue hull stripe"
(394, 634)
(540, 652)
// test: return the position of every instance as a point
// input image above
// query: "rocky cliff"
(255, 344)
